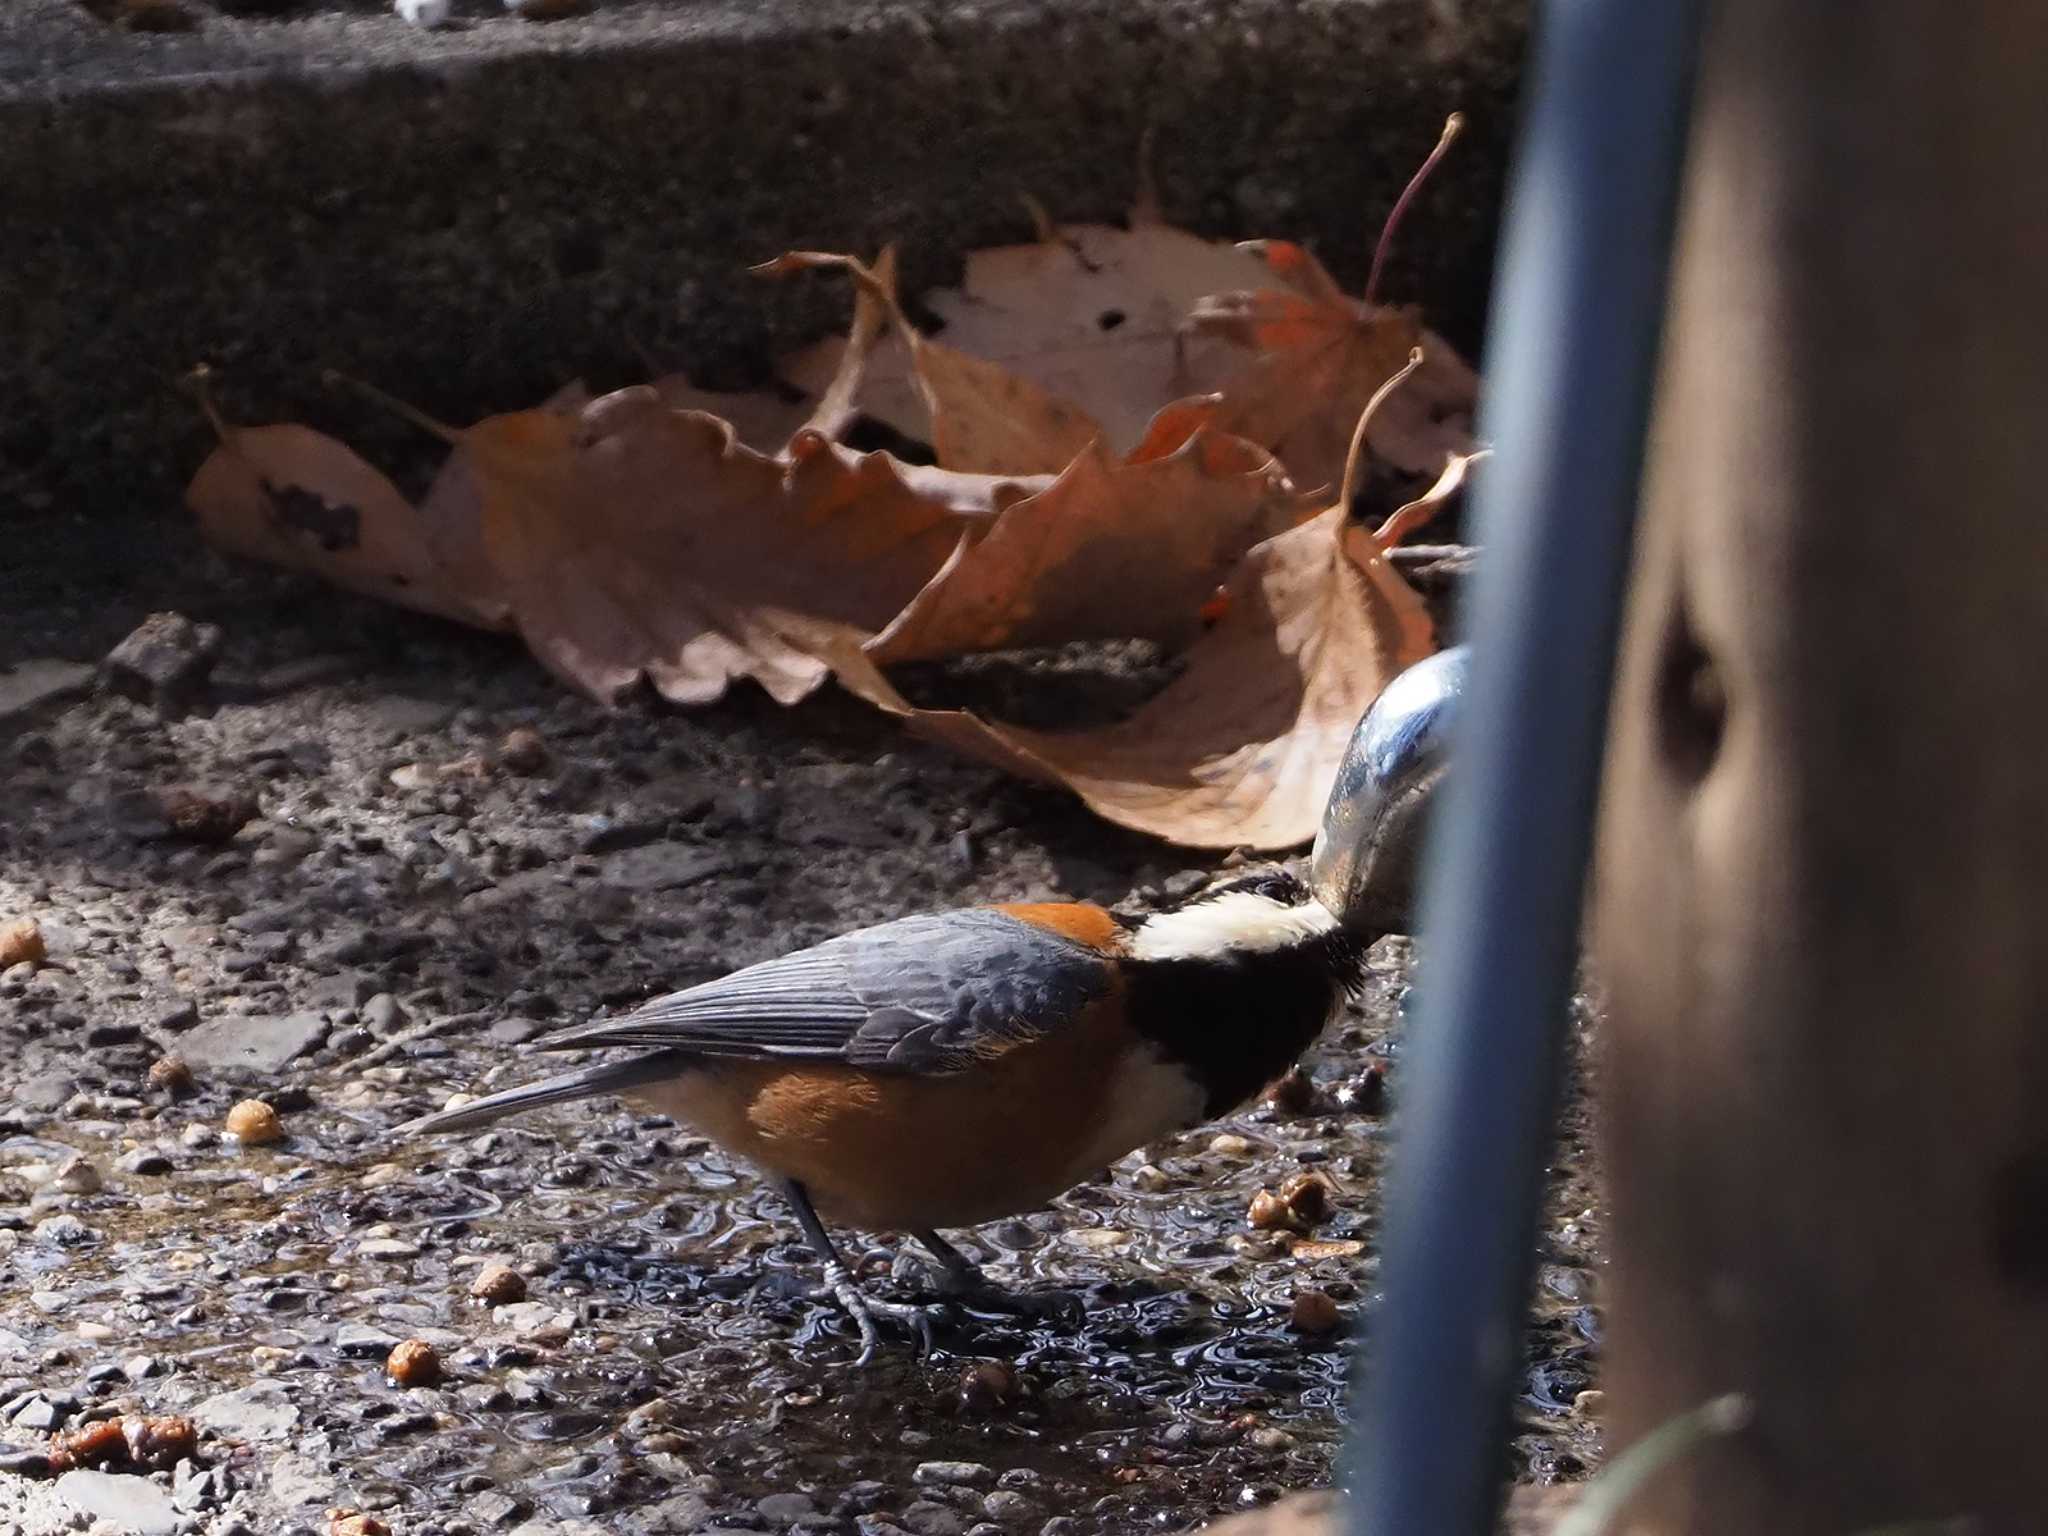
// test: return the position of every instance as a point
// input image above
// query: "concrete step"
(472, 216)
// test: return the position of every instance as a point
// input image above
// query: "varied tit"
(950, 1069)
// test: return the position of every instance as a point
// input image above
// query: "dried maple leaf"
(1089, 315)
(297, 498)
(1108, 550)
(1241, 748)
(983, 418)
(636, 540)
(1320, 356)
(769, 421)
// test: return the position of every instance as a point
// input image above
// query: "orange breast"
(898, 1152)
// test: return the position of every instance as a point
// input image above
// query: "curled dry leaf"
(1241, 748)
(637, 541)
(297, 498)
(1319, 355)
(1108, 550)
(983, 418)
(1089, 315)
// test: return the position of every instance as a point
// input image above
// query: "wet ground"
(382, 942)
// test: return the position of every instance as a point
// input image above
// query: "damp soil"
(388, 942)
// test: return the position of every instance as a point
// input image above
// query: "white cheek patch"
(1239, 920)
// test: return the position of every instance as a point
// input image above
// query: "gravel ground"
(386, 929)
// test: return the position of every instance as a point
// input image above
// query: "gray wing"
(919, 995)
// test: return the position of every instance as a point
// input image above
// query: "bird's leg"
(960, 1277)
(862, 1309)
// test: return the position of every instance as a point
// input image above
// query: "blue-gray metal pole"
(1570, 362)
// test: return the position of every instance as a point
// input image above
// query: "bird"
(947, 1069)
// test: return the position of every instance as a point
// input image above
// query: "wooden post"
(1822, 898)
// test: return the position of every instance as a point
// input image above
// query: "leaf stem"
(1452, 126)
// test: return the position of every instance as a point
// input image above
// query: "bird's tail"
(585, 1082)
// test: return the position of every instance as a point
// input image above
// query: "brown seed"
(413, 1364)
(21, 941)
(1314, 1313)
(349, 1522)
(254, 1123)
(523, 750)
(169, 1074)
(498, 1285)
(1270, 1213)
(203, 813)
(1294, 1094)
(988, 1386)
(1308, 1197)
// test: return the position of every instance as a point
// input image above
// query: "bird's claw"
(972, 1288)
(864, 1309)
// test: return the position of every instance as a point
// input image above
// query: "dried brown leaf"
(1318, 357)
(637, 540)
(1108, 550)
(1241, 748)
(1090, 315)
(297, 498)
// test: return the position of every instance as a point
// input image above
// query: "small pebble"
(1269, 1213)
(198, 1135)
(1590, 1404)
(349, 1522)
(77, 1176)
(169, 1074)
(1229, 1144)
(988, 1386)
(498, 1285)
(422, 13)
(523, 750)
(254, 1123)
(413, 1364)
(953, 1474)
(21, 943)
(1314, 1313)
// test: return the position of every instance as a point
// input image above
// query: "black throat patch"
(1238, 1020)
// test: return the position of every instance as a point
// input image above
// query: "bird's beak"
(1366, 856)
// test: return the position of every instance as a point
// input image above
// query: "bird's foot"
(970, 1287)
(865, 1309)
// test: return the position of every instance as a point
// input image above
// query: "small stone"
(132, 1505)
(197, 1135)
(41, 680)
(1152, 1179)
(164, 662)
(363, 1340)
(523, 750)
(350, 1522)
(1314, 1313)
(1294, 1093)
(988, 1386)
(180, 1015)
(260, 1045)
(498, 1285)
(77, 1175)
(1590, 1404)
(254, 1123)
(953, 1474)
(413, 1364)
(785, 1508)
(170, 1074)
(1229, 1144)
(64, 1231)
(927, 1518)
(264, 1411)
(21, 943)
(1008, 1504)
(383, 1015)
